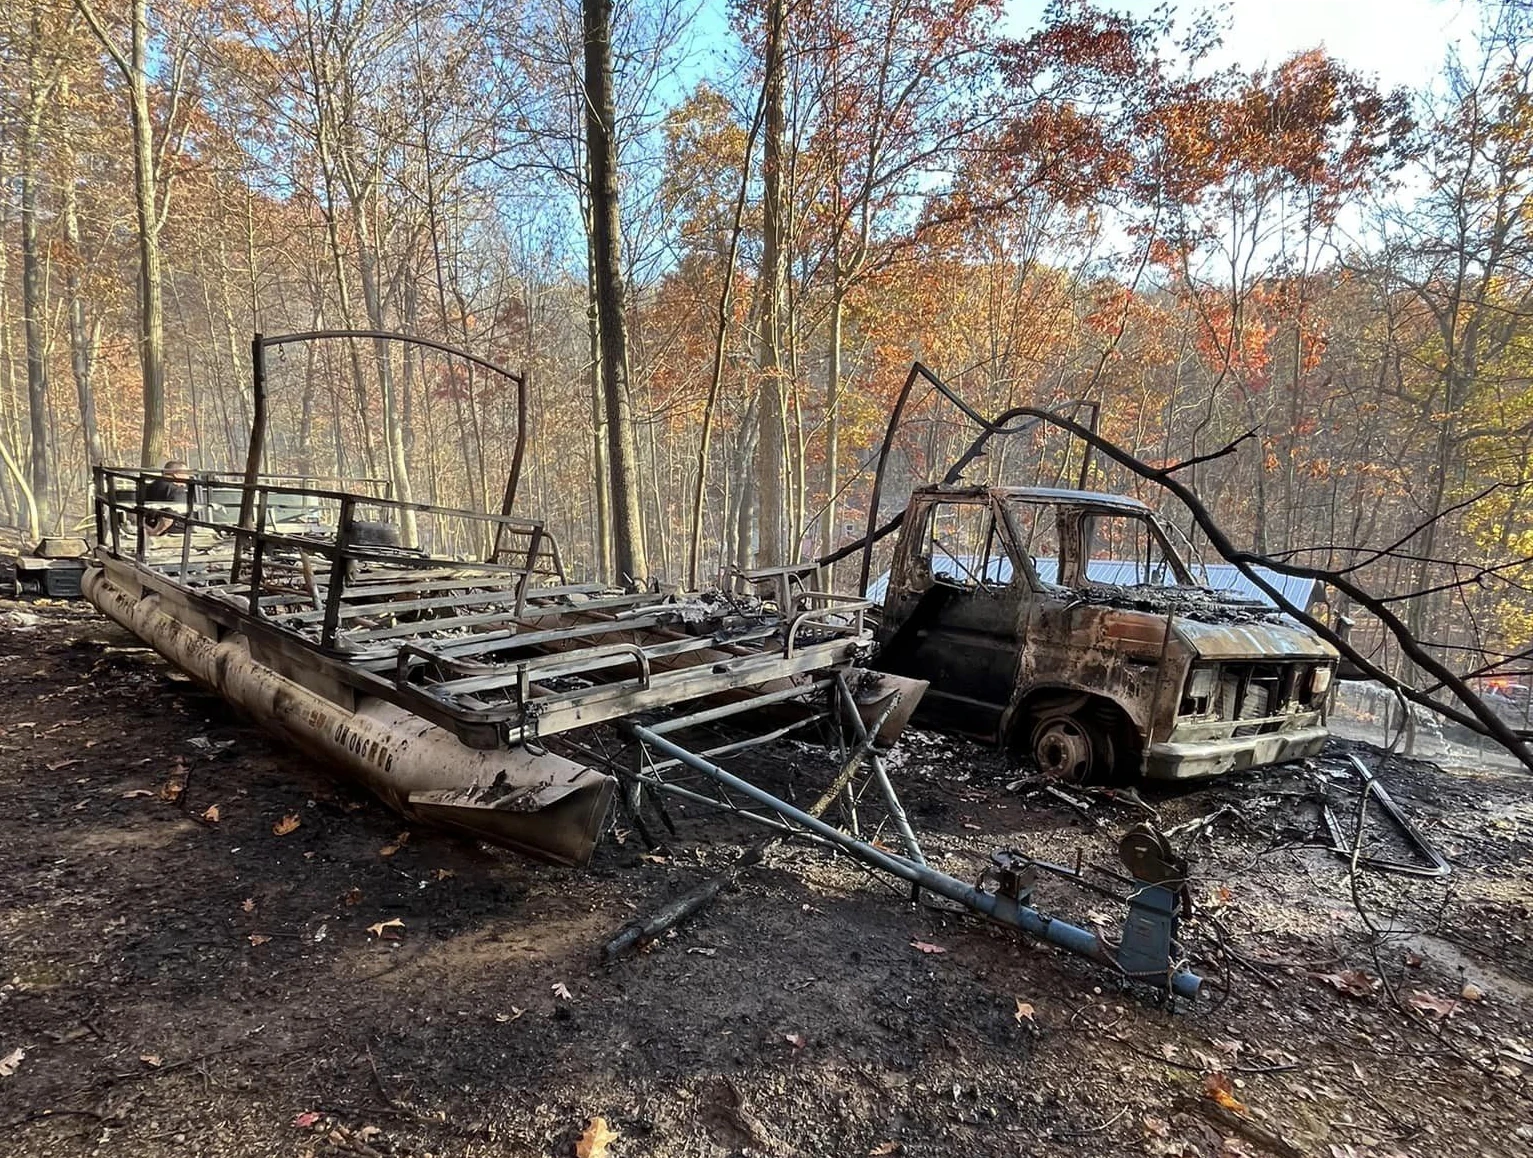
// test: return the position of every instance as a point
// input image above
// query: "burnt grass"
(190, 986)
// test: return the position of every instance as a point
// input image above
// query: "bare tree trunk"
(601, 558)
(81, 346)
(34, 309)
(770, 446)
(832, 430)
(601, 160)
(147, 209)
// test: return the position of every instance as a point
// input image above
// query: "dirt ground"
(175, 984)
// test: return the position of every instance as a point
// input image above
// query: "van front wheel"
(1069, 746)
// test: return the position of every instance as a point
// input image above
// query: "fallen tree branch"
(1252, 1131)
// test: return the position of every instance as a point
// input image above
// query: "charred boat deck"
(400, 627)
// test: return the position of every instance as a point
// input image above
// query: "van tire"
(1077, 740)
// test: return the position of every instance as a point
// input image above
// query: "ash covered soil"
(175, 983)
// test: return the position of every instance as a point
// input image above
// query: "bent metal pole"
(999, 908)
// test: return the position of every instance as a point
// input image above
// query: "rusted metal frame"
(1438, 868)
(256, 448)
(513, 478)
(559, 712)
(515, 641)
(865, 744)
(516, 525)
(487, 641)
(663, 650)
(841, 604)
(755, 741)
(257, 554)
(232, 480)
(106, 509)
(259, 344)
(599, 658)
(429, 626)
(489, 617)
(361, 590)
(657, 784)
(186, 529)
(484, 681)
(724, 711)
(299, 619)
(564, 664)
(96, 507)
(336, 590)
(141, 534)
(521, 588)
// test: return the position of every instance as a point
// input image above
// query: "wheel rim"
(1063, 749)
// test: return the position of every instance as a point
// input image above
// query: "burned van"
(1067, 626)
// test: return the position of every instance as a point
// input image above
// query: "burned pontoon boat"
(434, 679)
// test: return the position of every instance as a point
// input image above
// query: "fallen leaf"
(353, 896)
(248, 904)
(1352, 982)
(927, 947)
(516, 1012)
(381, 927)
(562, 991)
(1413, 960)
(286, 825)
(445, 874)
(1471, 992)
(306, 1119)
(796, 1040)
(258, 939)
(62, 764)
(883, 1149)
(11, 1062)
(1024, 1011)
(388, 850)
(1430, 1004)
(702, 952)
(594, 1142)
(1218, 1088)
(132, 792)
(655, 858)
(153, 1060)
(211, 815)
(1156, 1127)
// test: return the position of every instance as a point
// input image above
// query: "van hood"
(1273, 640)
(1216, 625)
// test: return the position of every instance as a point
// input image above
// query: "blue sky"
(1402, 42)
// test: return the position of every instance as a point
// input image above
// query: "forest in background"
(716, 315)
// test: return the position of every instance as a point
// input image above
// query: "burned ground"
(177, 983)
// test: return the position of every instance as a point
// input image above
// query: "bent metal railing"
(293, 526)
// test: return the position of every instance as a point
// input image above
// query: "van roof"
(1042, 495)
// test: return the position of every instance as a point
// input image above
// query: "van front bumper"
(1190, 760)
